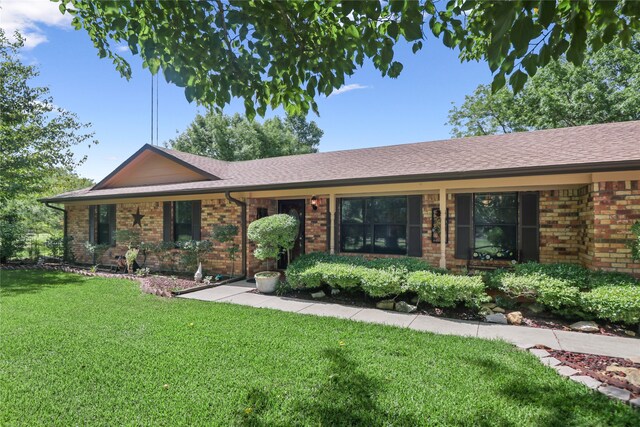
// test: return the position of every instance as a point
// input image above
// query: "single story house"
(560, 195)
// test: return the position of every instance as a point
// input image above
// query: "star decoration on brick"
(137, 218)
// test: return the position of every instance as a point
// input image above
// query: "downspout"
(64, 212)
(243, 225)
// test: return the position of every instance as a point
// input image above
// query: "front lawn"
(86, 351)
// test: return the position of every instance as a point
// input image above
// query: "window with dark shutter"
(529, 228)
(112, 224)
(374, 225)
(92, 224)
(414, 226)
(196, 216)
(463, 225)
(166, 222)
(495, 226)
(106, 224)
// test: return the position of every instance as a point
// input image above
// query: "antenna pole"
(157, 108)
(151, 109)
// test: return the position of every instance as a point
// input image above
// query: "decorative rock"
(404, 307)
(618, 393)
(318, 295)
(496, 318)
(485, 311)
(565, 371)
(629, 333)
(586, 380)
(536, 308)
(335, 291)
(550, 361)
(515, 318)
(386, 304)
(490, 305)
(499, 310)
(539, 352)
(585, 326)
(635, 402)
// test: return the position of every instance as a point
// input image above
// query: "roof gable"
(153, 166)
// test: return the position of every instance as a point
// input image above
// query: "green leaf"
(498, 82)
(517, 81)
(416, 46)
(392, 30)
(546, 12)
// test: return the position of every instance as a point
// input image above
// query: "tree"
(233, 138)
(605, 89)
(285, 53)
(36, 135)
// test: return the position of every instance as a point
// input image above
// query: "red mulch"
(596, 367)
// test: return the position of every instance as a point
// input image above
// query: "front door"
(295, 208)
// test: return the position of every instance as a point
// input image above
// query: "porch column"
(443, 228)
(332, 215)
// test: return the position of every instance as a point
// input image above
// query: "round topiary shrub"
(272, 234)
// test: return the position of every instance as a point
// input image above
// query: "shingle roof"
(613, 146)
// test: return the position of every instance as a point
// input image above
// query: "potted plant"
(271, 235)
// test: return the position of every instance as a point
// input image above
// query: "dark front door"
(295, 208)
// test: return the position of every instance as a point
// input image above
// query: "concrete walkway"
(519, 335)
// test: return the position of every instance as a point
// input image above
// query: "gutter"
(64, 212)
(243, 225)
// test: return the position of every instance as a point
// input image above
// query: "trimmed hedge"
(614, 303)
(384, 277)
(573, 290)
(447, 290)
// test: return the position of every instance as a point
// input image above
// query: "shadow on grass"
(17, 282)
(560, 406)
(347, 397)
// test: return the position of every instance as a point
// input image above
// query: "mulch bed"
(542, 320)
(596, 367)
(156, 285)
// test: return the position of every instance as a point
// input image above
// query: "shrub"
(12, 235)
(520, 286)
(634, 244)
(548, 291)
(192, 252)
(573, 274)
(493, 279)
(447, 290)
(272, 234)
(410, 264)
(615, 303)
(225, 234)
(611, 278)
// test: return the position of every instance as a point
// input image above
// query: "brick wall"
(214, 211)
(561, 226)
(616, 207)
(588, 225)
(315, 229)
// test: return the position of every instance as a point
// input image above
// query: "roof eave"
(395, 179)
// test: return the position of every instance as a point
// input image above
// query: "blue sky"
(377, 111)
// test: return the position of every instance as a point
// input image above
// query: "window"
(182, 221)
(495, 225)
(374, 225)
(261, 213)
(106, 216)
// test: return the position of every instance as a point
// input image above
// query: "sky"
(367, 111)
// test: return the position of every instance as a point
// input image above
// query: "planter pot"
(266, 281)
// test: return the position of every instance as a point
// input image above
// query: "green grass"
(89, 351)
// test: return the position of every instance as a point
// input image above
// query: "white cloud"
(29, 17)
(348, 88)
(122, 48)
